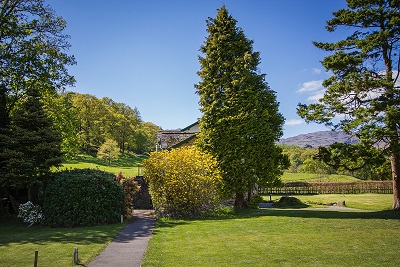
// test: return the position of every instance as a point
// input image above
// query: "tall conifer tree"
(241, 121)
(33, 146)
(363, 93)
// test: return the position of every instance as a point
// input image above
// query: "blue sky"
(145, 53)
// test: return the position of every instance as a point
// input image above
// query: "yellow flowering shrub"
(183, 182)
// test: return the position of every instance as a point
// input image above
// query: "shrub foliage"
(83, 198)
(130, 187)
(183, 182)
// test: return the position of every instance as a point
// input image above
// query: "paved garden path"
(128, 248)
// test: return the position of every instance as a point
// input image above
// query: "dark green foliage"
(339, 158)
(31, 147)
(350, 157)
(83, 198)
(255, 201)
(241, 121)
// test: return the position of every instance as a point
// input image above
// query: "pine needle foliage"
(362, 96)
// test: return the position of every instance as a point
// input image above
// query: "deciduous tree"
(109, 151)
(32, 52)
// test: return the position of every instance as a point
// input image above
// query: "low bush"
(130, 187)
(30, 213)
(83, 197)
(255, 201)
(183, 182)
(290, 201)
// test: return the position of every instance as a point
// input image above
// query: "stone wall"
(142, 199)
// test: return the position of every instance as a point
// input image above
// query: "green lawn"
(371, 202)
(128, 164)
(281, 237)
(311, 177)
(261, 237)
(18, 243)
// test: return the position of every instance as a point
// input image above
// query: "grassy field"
(280, 237)
(127, 164)
(18, 243)
(310, 177)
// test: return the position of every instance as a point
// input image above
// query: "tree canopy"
(33, 62)
(101, 119)
(362, 95)
(32, 52)
(240, 122)
(109, 151)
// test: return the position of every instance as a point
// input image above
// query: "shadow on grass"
(323, 213)
(289, 211)
(169, 223)
(14, 231)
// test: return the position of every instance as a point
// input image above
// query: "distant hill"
(316, 139)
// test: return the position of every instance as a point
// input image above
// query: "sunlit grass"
(311, 177)
(128, 164)
(278, 237)
(373, 202)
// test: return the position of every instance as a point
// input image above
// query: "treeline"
(304, 160)
(86, 122)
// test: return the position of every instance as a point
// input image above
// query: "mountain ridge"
(317, 139)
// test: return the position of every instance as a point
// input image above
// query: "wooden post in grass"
(36, 258)
(76, 260)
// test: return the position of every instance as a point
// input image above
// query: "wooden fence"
(302, 188)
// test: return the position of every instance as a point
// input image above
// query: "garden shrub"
(289, 201)
(83, 197)
(30, 213)
(255, 201)
(183, 182)
(130, 187)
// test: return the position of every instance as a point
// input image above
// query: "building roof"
(190, 126)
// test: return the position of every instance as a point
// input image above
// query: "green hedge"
(83, 197)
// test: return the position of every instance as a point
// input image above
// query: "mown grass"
(278, 237)
(373, 202)
(370, 202)
(18, 243)
(128, 164)
(311, 177)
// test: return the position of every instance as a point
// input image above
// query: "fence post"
(36, 258)
(76, 259)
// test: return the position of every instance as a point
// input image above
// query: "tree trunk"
(4, 114)
(249, 193)
(239, 200)
(395, 162)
